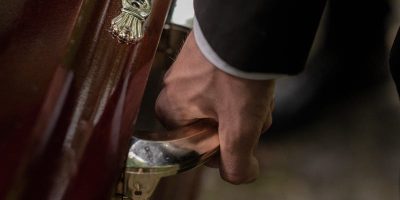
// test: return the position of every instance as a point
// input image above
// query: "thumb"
(170, 114)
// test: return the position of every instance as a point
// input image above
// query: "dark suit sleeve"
(395, 61)
(266, 36)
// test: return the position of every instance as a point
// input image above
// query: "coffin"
(70, 96)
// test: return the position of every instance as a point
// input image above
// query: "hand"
(195, 89)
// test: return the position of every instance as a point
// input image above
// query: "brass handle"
(173, 151)
(154, 155)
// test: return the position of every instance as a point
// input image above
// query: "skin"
(195, 89)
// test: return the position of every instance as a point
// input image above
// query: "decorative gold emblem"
(128, 27)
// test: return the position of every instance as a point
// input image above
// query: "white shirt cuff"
(212, 56)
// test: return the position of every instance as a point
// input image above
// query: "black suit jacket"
(268, 36)
(271, 36)
(395, 61)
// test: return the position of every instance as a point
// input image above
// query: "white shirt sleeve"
(212, 56)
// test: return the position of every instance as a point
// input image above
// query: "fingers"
(237, 143)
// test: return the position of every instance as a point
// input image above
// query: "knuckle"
(237, 178)
(242, 171)
(234, 179)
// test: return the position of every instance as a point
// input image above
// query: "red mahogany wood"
(69, 96)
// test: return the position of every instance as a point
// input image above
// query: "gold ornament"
(128, 27)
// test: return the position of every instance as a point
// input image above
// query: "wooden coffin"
(70, 95)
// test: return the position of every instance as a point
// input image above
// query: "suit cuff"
(213, 57)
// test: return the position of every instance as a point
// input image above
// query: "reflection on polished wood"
(70, 96)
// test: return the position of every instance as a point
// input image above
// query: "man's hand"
(195, 89)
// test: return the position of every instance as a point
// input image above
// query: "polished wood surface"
(70, 95)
